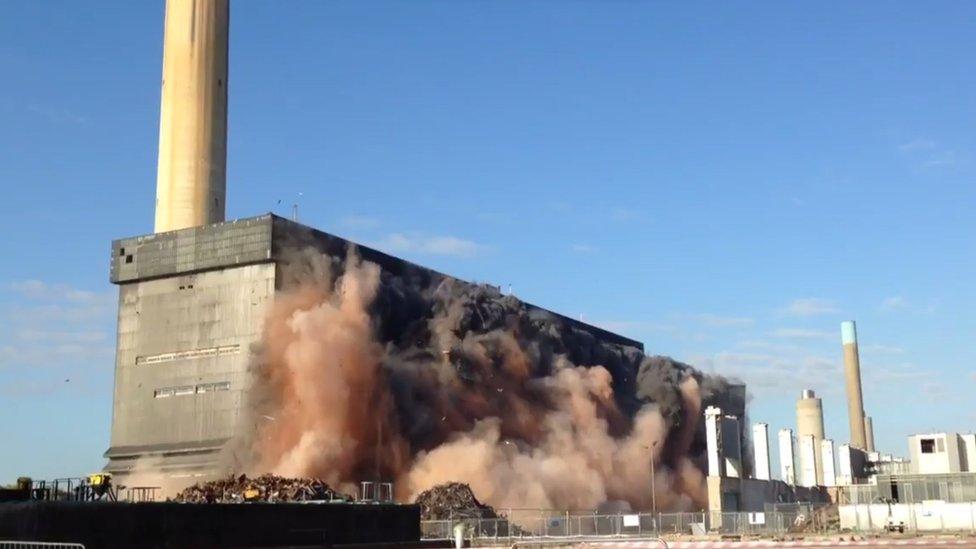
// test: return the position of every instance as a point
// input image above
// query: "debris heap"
(265, 488)
(450, 501)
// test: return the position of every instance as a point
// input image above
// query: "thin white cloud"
(359, 221)
(720, 321)
(58, 116)
(774, 372)
(755, 344)
(432, 245)
(39, 290)
(898, 372)
(929, 153)
(811, 306)
(494, 217)
(56, 313)
(942, 158)
(581, 248)
(917, 145)
(55, 326)
(632, 326)
(623, 214)
(894, 302)
(877, 348)
(44, 354)
(935, 389)
(800, 333)
(61, 336)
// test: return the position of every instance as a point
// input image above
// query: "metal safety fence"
(934, 516)
(517, 524)
(38, 545)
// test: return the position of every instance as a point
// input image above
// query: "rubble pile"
(265, 488)
(452, 500)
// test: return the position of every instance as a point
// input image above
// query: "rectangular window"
(184, 390)
(213, 387)
(163, 393)
(928, 445)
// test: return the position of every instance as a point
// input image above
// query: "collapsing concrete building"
(207, 383)
(191, 308)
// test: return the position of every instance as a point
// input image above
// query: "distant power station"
(807, 456)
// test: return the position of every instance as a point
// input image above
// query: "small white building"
(941, 453)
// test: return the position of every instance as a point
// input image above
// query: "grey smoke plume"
(405, 375)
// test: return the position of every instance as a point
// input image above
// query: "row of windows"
(195, 353)
(166, 392)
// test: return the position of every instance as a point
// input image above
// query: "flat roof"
(263, 239)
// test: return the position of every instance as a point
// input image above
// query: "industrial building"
(942, 453)
(729, 490)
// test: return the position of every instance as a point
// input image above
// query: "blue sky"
(724, 182)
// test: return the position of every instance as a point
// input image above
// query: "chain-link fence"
(553, 524)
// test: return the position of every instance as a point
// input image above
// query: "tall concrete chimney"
(852, 374)
(809, 423)
(869, 434)
(192, 165)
